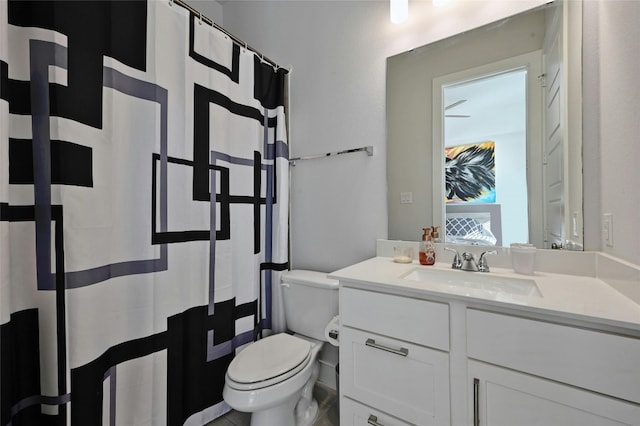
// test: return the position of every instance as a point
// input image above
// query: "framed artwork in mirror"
(470, 173)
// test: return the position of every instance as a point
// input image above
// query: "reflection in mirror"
(485, 150)
(465, 133)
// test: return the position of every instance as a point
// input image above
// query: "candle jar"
(402, 254)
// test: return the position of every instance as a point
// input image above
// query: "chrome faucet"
(467, 262)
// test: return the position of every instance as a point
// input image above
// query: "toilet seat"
(268, 361)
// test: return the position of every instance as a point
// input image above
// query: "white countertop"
(585, 299)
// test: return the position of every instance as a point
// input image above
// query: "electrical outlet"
(406, 197)
(607, 229)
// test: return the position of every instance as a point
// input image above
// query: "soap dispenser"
(427, 250)
(435, 235)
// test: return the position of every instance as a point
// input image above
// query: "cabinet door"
(502, 397)
(400, 378)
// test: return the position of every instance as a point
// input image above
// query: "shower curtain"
(143, 211)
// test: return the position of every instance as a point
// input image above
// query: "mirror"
(432, 94)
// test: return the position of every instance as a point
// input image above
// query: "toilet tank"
(310, 301)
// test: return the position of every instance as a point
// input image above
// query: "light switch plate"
(406, 197)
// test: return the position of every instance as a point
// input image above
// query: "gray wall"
(209, 8)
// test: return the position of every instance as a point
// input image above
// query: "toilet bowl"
(273, 378)
(284, 366)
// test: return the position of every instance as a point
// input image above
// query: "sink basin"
(476, 280)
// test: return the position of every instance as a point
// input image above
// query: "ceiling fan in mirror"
(455, 104)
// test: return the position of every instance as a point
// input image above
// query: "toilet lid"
(267, 358)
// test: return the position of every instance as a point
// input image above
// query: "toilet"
(273, 378)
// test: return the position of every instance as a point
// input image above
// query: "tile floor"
(327, 403)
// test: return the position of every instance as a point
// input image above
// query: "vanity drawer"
(355, 414)
(599, 361)
(405, 318)
(405, 380)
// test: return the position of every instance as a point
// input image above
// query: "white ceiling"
(495, 104)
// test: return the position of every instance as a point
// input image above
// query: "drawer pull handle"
(373, 420)
(402, 351)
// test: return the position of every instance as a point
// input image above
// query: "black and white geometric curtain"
(143, 211)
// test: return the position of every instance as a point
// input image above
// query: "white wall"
(337, 51)
(612, 124)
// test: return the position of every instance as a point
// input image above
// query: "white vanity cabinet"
(408, 358)
(394, 361)
(524, 371)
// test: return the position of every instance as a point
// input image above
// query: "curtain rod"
(235, 39)
(367, 149)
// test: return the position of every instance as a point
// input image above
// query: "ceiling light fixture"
(399, 10)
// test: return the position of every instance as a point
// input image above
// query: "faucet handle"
(483, 266)
(457, 261)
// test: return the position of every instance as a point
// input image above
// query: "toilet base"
(308, 416)
(282, 414)
(307, 407)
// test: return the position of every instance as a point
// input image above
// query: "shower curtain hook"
(170, 2)
(200, 18)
